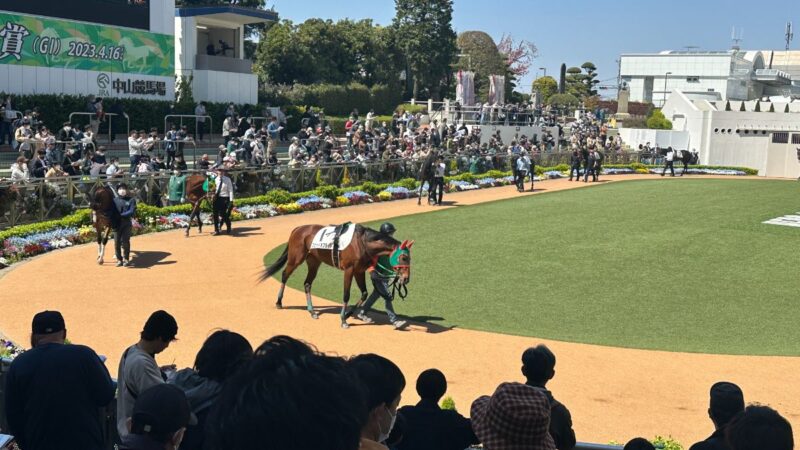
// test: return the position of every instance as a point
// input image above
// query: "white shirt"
(134, 146)
(19, 174)
(200, 111)
(440, 170)
(224, 187)
(670, 155)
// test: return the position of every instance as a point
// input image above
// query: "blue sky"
(574, 31)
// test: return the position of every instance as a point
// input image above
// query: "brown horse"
(365, 248)
(196, 193)
(103, 206)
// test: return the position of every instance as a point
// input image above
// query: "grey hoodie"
(201, 392)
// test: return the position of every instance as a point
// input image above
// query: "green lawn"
(681, 265)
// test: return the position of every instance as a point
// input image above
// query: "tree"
(280, 56)
(563, 100)
(581, 81)
(657, 121)
(428, 42)
(519, 55)
(482, 57)
(546, 87)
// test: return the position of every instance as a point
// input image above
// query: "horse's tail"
(276, 266)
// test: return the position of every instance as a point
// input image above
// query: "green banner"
(33, 41)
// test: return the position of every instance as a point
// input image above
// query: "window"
(796, 138)
(692, 79)
(780, 138)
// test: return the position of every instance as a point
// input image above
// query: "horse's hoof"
(314, 315)
(278, 306)
(345, 325)
(100, 261)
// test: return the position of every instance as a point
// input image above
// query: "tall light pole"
(666, 77)
(544, 69)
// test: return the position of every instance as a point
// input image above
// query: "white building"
(755, 134)
(710, 75)
(209, 47)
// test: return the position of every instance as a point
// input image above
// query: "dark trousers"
(201, 130)
(282, 134)
(122, 242)
(380, 289)
(671, 166)
(577, 169)
(134, 163)
(222, 213)
(170, 158)
(438, 184)
(5, 130)
(587, 170)
(520, 181)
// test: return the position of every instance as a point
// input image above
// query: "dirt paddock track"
(208, 282)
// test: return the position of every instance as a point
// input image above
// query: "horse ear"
(410, 243)
(403, 245)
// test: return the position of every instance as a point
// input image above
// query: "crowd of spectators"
(287, 395)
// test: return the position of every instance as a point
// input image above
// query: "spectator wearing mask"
(38, 165)
(229, 127)
(21, 137)
(220, 357)
(134, 150)
(124, 211)
(726, 401)
(19, 170)
(383, 382)
(759, 428)
(539, 367)
(99, 157)
(427, 426)
(516, 416)
(159, 420)
(72, 162)
(114, 170)
(138, 370)
(274, 402)
(54, 390)
(177, 188)
(273, 133)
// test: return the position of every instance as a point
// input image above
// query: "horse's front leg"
(362, 285)
(348, 280)
(100, 248)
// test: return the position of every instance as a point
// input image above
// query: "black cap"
(726, 396)
(161, 409)
(161, 324)
(47, 322)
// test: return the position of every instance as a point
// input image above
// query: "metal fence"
(52, 198)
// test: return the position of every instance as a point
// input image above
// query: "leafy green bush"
(371, 188)
(278, 197)
(497, 174)
(448, 403)
(666, 443)
(561, 168)
(408, 183)
(563, 100)
(657, 121)
(78, 219)
(413, 109)
(328, 191)
(384, 98)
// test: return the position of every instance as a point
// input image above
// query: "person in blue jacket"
(124, 211)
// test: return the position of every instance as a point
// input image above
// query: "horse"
(684, 156)
(196, 192)
(365, 248)
(102, 206)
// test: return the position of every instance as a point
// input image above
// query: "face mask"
(384, 436)
(122, 192)
(176, 173)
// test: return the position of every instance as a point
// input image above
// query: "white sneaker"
(399, 324)
(364, 318)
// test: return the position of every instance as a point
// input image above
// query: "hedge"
(339, 100)
(54, 110)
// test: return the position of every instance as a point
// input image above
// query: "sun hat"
(515, 417)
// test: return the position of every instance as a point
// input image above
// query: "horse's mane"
(371, 235)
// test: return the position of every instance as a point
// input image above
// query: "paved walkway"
(209, 282)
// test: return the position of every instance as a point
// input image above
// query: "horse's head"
(400, 259)
(103, 199)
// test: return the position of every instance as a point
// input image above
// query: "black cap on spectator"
(47, 322)
(727, 399)
(162, 325)
(161, 410)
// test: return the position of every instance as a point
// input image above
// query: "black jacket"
(560, 422)
(575, 159)
(714, 442)
(53, 396)
(428, 427)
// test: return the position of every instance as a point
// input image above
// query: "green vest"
(177, 188)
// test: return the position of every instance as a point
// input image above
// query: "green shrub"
(408, 183)
(657, 121)
(328, 191)
(448, 403)
(667, 443)
(371, 188)
(563, 100)
(413, 109)
(497, 174)
(278, 197)
(384, 98)
(561, 168)
(358, 97)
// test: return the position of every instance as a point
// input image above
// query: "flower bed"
(9, 350)
(24, 241)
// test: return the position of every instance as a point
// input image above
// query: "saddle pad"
(324, 238)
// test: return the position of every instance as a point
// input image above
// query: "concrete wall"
(44, 80)
(633, 137)
(162, 13)
(213, 86)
